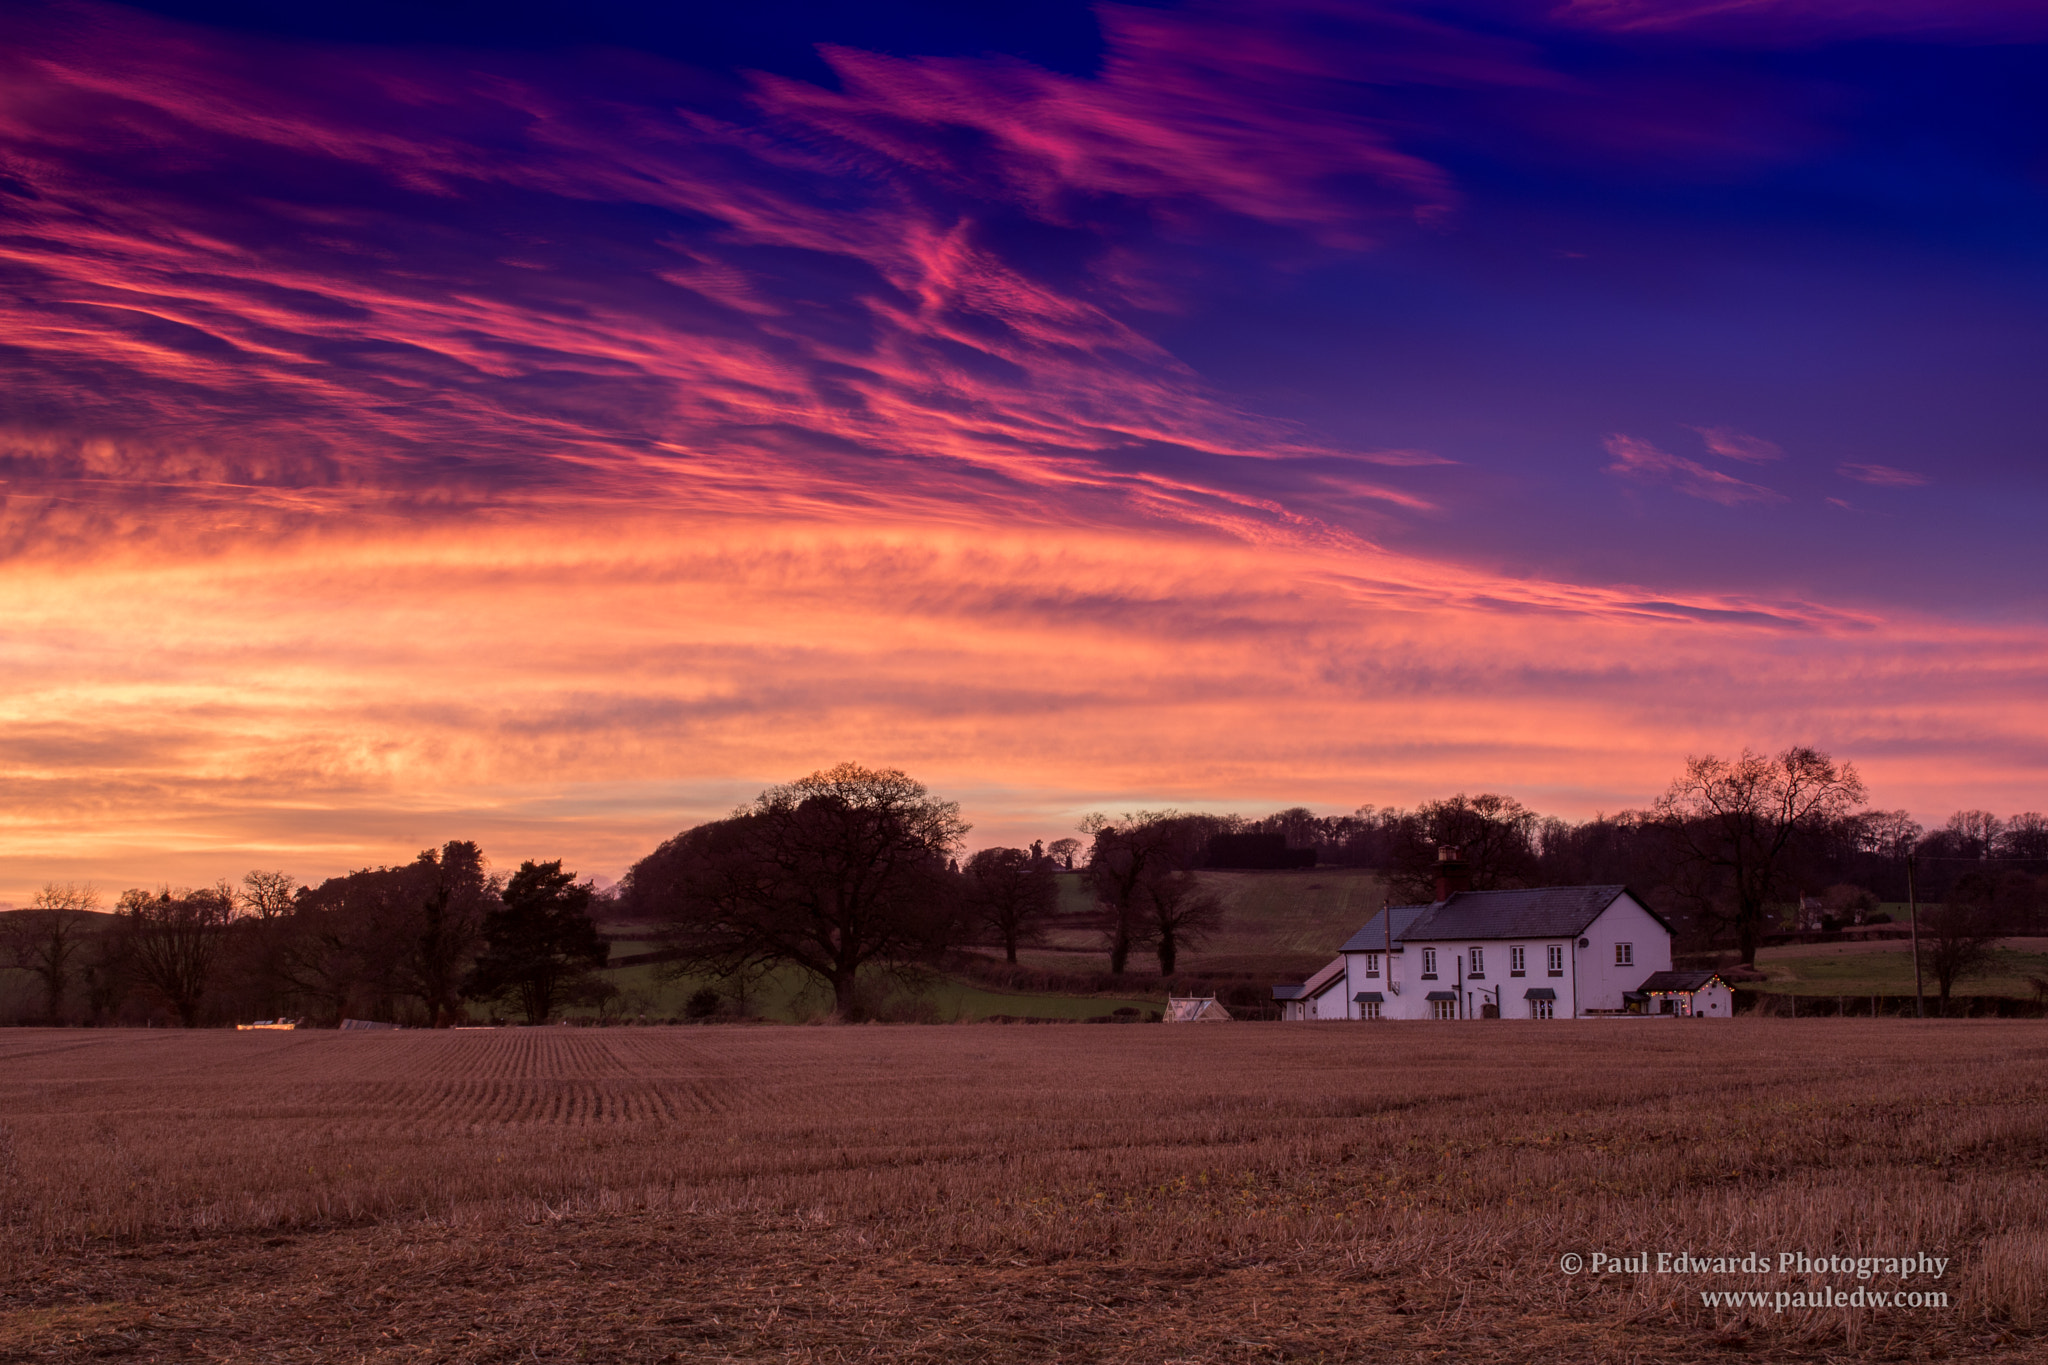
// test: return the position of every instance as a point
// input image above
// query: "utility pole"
(1913, 910)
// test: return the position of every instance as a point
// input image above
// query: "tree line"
(853, 875)
(421, 943)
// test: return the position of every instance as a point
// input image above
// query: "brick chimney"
(1452, 874)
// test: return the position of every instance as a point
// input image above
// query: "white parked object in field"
(1194, 1009)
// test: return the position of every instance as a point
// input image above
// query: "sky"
(549, 424)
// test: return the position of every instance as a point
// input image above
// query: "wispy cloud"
(1638, 459)
(1881, 475)
(1735, 445)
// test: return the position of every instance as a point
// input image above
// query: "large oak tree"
(835, 873)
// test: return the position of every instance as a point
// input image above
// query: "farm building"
(1558, 952)
(1195, 1009)
(1693, 994)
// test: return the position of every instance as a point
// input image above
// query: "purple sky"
(551, 424)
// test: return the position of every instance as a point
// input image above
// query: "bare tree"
(1012, 893)
(1181, 913)
(1125, 855)
(174, 941)
(1959, 937)
(1495, 837)
(840, 871)
(1063, 852)
(1974, 833)
(1741, 816)
(2025, 837)
(47, 939)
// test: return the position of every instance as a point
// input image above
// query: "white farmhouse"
(1557, 952)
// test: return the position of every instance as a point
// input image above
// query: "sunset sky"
(548, 423)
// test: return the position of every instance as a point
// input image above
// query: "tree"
(450, 897)
(1495, 837)
(1012, 894)
(1063, 852)
(1123, 859)
(1181, 913)
(174, 941)
(2025, 837)
(834, 873)
(1742, 815)
(1960, 936)
(47, 938)
(540, 945)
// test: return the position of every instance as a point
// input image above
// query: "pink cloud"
(1638, 459)
(1734, 445)
(1799, 22)
(1881, 475)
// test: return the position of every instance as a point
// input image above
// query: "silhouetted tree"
(1742, 815)
(48, 939)
(834, 873)
(1959, 937)
(1180, 913)
(449, 896)
(1012, 894)
(540, 945)
(174, 941)
(1125, 855)
(1495, 836)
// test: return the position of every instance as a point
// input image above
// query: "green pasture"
(1887, 969)
(791, 996)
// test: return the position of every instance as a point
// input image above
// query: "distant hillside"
(1276, 925)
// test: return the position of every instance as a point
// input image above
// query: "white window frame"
(1478, 961)
(1543, 1009)
(1369, 1009)
(1518, 959)
(1556, 958)
(1429, 962)
(1443, 1009)
(1624, 954)
(1372, 964)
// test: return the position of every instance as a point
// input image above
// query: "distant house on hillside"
(1197, 1009)
(1557, 952)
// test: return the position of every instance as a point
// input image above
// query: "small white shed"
(1701, 995)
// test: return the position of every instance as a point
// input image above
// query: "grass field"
(1278, 926)
(983, 1193)
(1886, 968)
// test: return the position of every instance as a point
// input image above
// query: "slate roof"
(1373, 937)
(1441, 995)
(1678, 981)
(1539, 912)
(1539, 993)
(1294, 992)
(1369, 998)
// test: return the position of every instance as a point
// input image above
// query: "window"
(1542, 1009)
(1443, 1009)
(1517, 961)
(1372, 964)
(1479, 962)
(1624, 954)
(1369, 1010)
(1429, 964)
(1557, 959)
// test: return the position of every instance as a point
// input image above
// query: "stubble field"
(970, 1193)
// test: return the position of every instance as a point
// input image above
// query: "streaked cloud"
(1734, 445)
(1638, 459)
(1881, 475)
